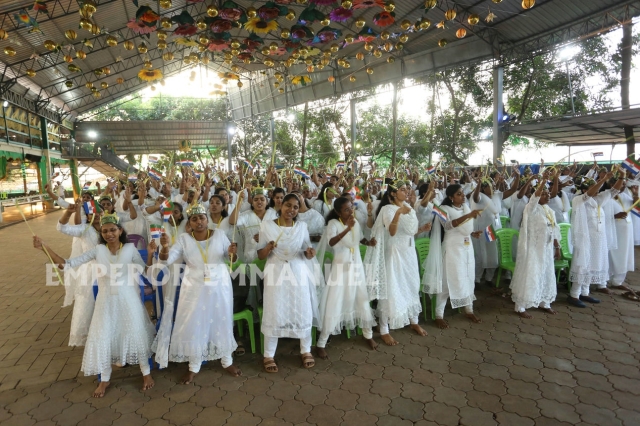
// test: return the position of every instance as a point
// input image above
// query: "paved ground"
(577, 367)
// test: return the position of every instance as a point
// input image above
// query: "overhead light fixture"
(92, 134)
(232, 130)
(5, 104)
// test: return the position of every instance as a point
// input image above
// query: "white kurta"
(424, 215)
(395, 265)
(590, 263)
(486, 253)
(534, 279)
(249, 225)
(621, 259)
(81, 280)
(458, 265)
(345, 300)
(203, 328)
(315, 223)
(321, 207)
(120, 332)
(290, 300)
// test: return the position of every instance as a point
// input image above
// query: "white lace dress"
(458, 264)
(486, 253)
(291, 282)
(82, 282)
(345, 301)
(315, 224)
(534, 279)
(393, 266)
(249, 225)
(121, 331)
(591, 239)
(621, 259)
(203, 327)
(321, 207)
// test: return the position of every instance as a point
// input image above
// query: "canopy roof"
(42, 76)
(148, 137)
(588, 129)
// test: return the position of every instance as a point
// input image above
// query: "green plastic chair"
(567, 256)
(363, 251)
(505, 220)
(246, 315)
(422, 251)
(505, 251)
(328, 257)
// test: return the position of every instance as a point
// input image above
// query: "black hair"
(423, 190)
(450, 192)
(251, 204)
(301, 197)
(324, 189)
(386, 198)
(179, 206)
(123, 236)
(277, 190)
(224, 212)
(221, 188)
(287, 198)
(335, 211)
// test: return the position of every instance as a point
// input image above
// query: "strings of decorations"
(269, 33)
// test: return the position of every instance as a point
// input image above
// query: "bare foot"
(419, 330)
(372, 344)
(102, 387)
(548, 310)
(147, 382)
(188, 378)
(524, 314)
(604, 290)
(322, 354)
(388, 340)
(234, 371)
(442, 324)
(473, 318)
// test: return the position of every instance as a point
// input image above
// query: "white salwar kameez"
(486, 252)
(450, 269)
(121, 331)
(345, 301)
(82, 280)
(534, 281)
(621, 259)
(321, 207)
(248, 225)
(290, 303)
(315, 224)
(591, 244)
(393, 263)
(203, 328)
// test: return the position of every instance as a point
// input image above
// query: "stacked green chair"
(422, 250)
(505, 220)
(567, 256)
(505, 251)
(245, 315)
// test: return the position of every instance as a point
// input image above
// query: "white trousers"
(384, 326)
(578, 290)
(543, 305)
(441, 303)
(367, 333)
(488, 276)
(226, 361)
(145, 368)
(271, 343)
(617, 279)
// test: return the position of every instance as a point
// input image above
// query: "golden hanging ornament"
(80, 54)
(67, 58)
(405, 24)
(201, 24)
(461, 33)
(368, 47)
(388, 46)
(403, 38)
(391, 60)
(239, 84)
(97, 95)
(331, 79)
(212, 11)
(497, 1)
(334, 48)
(142, 48)
(128, 45)
(168, 56)
(148, 65)
(285, 33)
(87, 9)
(70, 35)
(251, 12)
(360, 22)
(30, 72)
(165, 4)
(112, 41)
(385, 35)
(369, 70)
(205, 60)
(349, 38)
(442, 42)
(291, 15)
(162, 44)
(69, 84)
(360, 56)
(165, 23)
(425, 24)
(390, 6)
(346, 4)
(106, 70)
(3, 34)
(49, 45)
(104, 84)
(281, 90)
(528, 4)
(86, 24)
(450, 14)
(310, 68)
(88, 85)
(352, 78)
(377, 53)
(325, 22)
(119, 80)
(430, 4)
(162, 34)
(95, 30)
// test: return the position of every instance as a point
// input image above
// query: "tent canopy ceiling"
(590, 129)
(513, 33)
(150, 137)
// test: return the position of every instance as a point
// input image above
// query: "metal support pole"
(573, 106)
(229, 137)
(498, 109)
(272, 135)
(353, 124)
(46, 169)
(394, 128)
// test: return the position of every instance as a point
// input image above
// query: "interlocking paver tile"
(242, 419)
(557, 410)
(476, 417)
(441, 413)
(357, 418)
(406, 409)
(489, 385)
(507, 419)
(312, 395)
(264, 406)
(211, 416)
(484, 401)
(19, 420)
(393, 421)
(373, 404)
(523, 389)
(294, 411)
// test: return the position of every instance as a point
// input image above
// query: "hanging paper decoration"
(150, 75)
(310, 15)
(40, 6)
(301, 80)
(23, 17)
(270, 11)
(384, 19)
(326, 35)
(365, 4)
(340, 14)
(231, 11)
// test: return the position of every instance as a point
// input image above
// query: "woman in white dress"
(324, 203)
(275, 202)
(450, 266)
(392, 264)
(88, 236)
(591, 239)
(203, 328)
(534, 279)
(424, 206)
(291, 280)
(345, 300)
(314, 220)
(120, 332)
(621, 259)
(248, 222)
(218, 216)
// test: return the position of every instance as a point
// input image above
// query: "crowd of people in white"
(337, 250)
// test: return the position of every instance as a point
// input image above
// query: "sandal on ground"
(631, 296)
(239, 350)
(308, 361)
(270, 365)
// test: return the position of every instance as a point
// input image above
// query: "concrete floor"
(577, 367)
